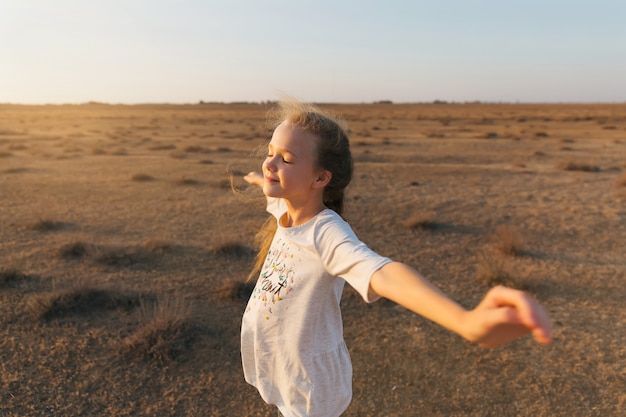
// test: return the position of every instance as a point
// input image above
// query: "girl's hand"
(504, 315)
(254, 178)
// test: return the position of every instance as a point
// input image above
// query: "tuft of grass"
(115, 255)
(187, 181)
(123, 256)
(80, 299)
(48, 225)
(157, 246)
(621, 181)
(423, 220)
(20, 170)
(508, 240)
(196, 149)
(579, 166)
(489, 135)
(10, 276)
(162, 147)
(142, 177)
(492, 269)
(165, 332)
(231, 249)
(236, 291)
(76, 250)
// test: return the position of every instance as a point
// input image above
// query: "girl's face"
(289, 170)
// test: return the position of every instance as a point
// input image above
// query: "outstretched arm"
(502, 316)
(254, 178)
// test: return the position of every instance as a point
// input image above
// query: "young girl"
(292, 343)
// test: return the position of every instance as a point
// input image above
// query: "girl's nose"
(269, 164)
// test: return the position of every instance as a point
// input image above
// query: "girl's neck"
(299, 215)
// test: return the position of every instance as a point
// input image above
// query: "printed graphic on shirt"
(277, 279)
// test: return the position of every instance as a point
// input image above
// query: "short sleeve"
(344, 255)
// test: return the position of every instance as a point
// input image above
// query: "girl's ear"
(323, 179)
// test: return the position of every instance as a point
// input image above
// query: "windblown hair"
(333, 154)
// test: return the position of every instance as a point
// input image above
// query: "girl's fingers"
(527, 311)
(253, 177)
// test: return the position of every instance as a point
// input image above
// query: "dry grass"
(80, 299)
(166, 331)
(115, 255)
(236, 291)
(231, 249)
(578, 166)
(109, 246)
(142, 177)
(49, 225)
(493, 269)
(508, 240)
(76, 250)
(187, 181)
(11, 276)
(621, 181)
(424, 220)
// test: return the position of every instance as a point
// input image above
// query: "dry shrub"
(76, 250)
(142, 177)
(20, 170)
(80, 299)
(492, 269)
(165, 332)
(48, 225)
(11, 276)
(114, 255)
(162, 147)
(236, 291)
(187, 181)
(157, 246)
(197, 149)
(508, 240)
(121, 256)
(578, 166)
(231, 249)
(488, 135)
(424, 220)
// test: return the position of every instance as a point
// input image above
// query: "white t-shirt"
(292, 343)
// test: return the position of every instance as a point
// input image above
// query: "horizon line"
(266, 102)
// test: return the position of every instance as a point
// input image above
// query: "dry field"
(123, 256)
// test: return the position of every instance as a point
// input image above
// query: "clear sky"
(184, 51)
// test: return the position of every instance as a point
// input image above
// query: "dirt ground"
(124, 252)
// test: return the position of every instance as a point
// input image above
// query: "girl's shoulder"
(331, 226)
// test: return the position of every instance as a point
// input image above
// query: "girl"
(292, 335)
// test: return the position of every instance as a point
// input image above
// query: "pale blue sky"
(138, 51)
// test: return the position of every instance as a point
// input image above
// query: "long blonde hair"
(333, 154)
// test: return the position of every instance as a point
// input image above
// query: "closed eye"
(270, 155)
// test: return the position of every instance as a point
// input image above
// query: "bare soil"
(124, 253)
